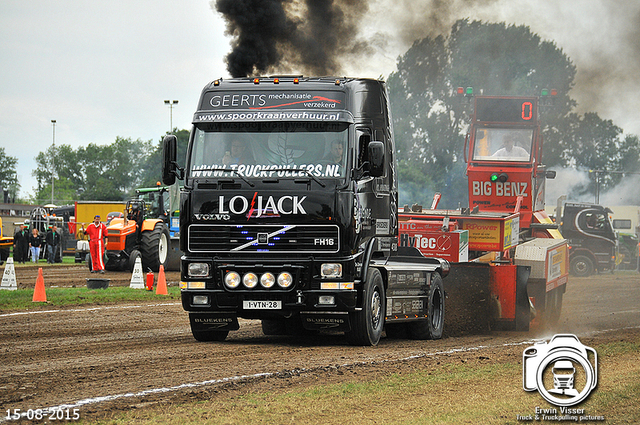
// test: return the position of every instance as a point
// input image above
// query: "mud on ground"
(49, 358)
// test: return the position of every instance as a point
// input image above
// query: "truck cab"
(594, 243)
(288, 211)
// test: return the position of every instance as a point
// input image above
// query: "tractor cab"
(135, 211)
(156, 202)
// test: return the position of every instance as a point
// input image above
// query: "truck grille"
(264, 238)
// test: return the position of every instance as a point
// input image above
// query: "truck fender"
(368, 252)
(366, 259)
(579, 251)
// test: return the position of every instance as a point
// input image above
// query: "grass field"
(21, 299)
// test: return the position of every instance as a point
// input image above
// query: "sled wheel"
(135, 254)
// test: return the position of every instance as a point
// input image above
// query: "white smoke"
(627, 192)
(574, 185)
(570, 183)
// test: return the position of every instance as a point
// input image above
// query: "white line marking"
(22, 313)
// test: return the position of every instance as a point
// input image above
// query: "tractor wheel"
(135, 254)
(581, 266)
(367, 323)
(626, 263)
(4, 254)
(154, 246)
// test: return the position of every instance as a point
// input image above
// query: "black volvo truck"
(289, 214)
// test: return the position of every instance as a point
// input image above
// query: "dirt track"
(49, 358)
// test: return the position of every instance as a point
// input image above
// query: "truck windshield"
(500, 144)
(269, 150)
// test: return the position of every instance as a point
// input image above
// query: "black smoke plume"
(292, 36)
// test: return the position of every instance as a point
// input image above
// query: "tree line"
(430, 123)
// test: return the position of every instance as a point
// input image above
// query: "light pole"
(170, 103)
(53, 156)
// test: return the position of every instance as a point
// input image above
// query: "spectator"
(35, 241)
(21, 245)
(53, 241)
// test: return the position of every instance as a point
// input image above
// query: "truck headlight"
(232, 280)
(285, 280)
(331, 270)
(250, 280)
(267, 280)
(198, 269)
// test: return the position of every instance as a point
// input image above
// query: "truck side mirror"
(169, 155)
(375, 154)
(550, 174)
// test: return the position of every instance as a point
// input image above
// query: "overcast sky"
(104, 69)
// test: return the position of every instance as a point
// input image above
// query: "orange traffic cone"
(39, 294)
(161, 287)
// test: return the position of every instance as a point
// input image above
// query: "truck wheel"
(367, 324)
(154, 246)
(206, 336)
(581, 266)
(432, 327)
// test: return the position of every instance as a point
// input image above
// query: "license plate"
(262, 305)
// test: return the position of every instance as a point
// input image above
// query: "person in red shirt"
(97, 233)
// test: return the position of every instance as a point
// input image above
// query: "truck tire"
(206, 336)
(433, 327)
(367, 323)
(154, 246)
(581, 266)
